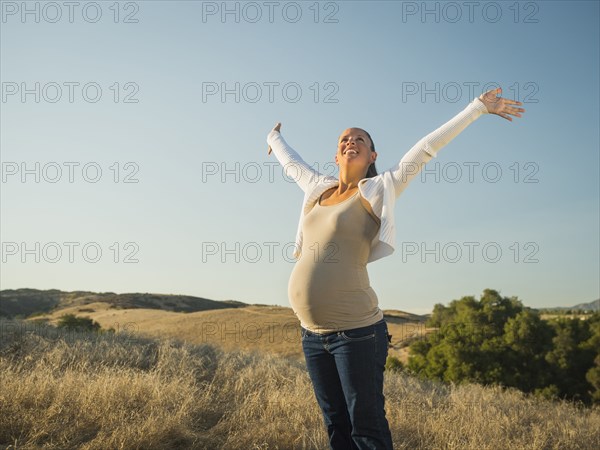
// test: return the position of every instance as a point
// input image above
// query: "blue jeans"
(346, 369)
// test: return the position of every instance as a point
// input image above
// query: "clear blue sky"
(146, 79)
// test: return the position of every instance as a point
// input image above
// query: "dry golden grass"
(77, 391)
(271, 329)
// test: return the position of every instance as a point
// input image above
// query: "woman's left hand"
(499, 105)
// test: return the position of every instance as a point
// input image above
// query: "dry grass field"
(67, 390)
(270, 329)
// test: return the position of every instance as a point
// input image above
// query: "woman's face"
(354, 147)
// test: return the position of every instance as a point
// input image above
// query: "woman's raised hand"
(499, 105)
(277, 128)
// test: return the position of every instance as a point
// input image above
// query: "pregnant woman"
(345, 223)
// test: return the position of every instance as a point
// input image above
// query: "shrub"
(72, 322)
(393, 364)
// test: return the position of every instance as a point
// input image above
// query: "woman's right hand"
(277, 128)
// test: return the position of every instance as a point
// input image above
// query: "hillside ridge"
(26, 302)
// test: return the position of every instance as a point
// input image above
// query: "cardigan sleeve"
(294, 166)
(428, 147)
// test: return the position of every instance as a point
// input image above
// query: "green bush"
(393, 364)
(72, 322)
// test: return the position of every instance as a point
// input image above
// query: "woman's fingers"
(508, 106)
(500, 105)
(514, 111)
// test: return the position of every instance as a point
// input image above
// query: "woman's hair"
(371, 171)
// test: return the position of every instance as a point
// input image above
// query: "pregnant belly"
(324, 294)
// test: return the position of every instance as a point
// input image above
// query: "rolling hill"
(232, 325)
(27, 302)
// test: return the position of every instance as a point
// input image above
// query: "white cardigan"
(380, 191)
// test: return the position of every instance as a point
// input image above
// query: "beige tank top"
(329, 288)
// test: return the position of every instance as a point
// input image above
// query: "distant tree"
(571, 358)
(528, 339)
(593, 374)
(496, 340)
(593, 377)
(468, 345)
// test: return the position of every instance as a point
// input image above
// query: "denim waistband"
(382, 321)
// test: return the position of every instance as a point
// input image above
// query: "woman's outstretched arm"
(428, 147)
(295, 167)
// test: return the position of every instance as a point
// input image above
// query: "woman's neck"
(348, 182)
